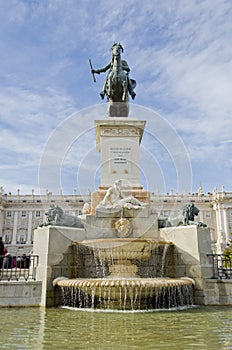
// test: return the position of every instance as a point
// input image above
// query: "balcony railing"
(222, 266)
(18, 268)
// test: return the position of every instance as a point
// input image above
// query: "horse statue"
(56, 217)
(189, 211)
(117, 84)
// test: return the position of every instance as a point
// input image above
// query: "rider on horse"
(109, 67)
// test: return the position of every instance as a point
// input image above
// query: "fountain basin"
(123, 288)
(127, 294)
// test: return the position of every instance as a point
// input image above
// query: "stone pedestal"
(102, 225)
(192, 244)
(53, 245)
(118, 140)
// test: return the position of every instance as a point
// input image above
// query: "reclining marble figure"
(114, 198)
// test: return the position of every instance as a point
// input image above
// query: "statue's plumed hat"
(118, 44)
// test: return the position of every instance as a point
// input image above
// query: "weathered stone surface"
(108, 213)
(53, 245)
(102, 227)
(20, 293)
(192, 244)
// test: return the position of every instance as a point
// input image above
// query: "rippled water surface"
(197, 328)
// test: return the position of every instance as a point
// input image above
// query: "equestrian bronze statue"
(118, 85)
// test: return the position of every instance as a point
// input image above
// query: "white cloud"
(179, 52)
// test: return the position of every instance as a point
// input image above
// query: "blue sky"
(180, 54)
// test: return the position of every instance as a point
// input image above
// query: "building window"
(8, 214)
(37, 213)
(7, 239)
(208, 214)
(24, 213)
(21, 239)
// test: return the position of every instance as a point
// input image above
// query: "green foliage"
(228, 252)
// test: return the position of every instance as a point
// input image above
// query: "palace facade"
(21, 214)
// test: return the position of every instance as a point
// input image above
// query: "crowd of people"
(9, 261)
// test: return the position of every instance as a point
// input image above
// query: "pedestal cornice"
(118, 127)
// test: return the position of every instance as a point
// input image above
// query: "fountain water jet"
(123, 288)
(120, 253)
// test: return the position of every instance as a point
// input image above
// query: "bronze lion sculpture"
(56, 217)
(189, 211)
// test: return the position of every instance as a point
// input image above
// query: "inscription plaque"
(120, 160)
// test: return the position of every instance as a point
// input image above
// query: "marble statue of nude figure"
(114, 198)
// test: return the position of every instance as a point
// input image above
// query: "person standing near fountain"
(115, 198)
(1, 252)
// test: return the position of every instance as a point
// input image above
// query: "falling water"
(115, 283)
(129, 298)
(163, 260)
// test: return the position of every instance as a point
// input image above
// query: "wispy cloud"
(179, 52)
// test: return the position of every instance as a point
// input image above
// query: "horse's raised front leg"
(110, 85)
(124, 89)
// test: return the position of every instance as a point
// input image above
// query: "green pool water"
(59, 328)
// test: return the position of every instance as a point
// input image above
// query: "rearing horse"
(117, 83)
(117, 80)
